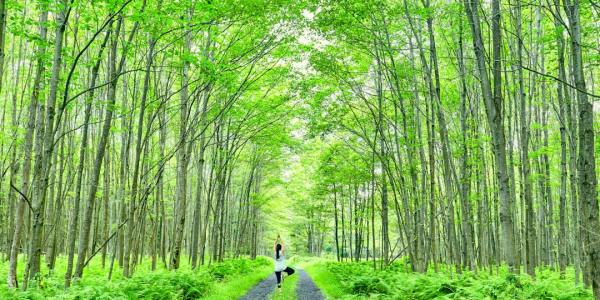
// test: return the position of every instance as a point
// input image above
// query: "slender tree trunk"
(2, 38)
(84, 234)
(200, 174)
(27, 150)
(74, 224)
(586, 160)
(524, 143)
(57, 214)
(469, 238)
(14, 170)
(384, 168)
(158, 202)
(45, 158)
(335, 224)
(562, 93)
(493, 103)
(131, 219)
(106, 200)
(182, 163)
(34, 108)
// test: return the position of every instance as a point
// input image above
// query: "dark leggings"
(289, 272)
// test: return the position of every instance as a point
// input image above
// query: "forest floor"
(227, 280)
(358, 280)
(306, 289)
(298, 286)
(262, 290)
(315, 278)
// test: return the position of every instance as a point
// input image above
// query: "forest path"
(262, 290)
(305, 289)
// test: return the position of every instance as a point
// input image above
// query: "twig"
(22, 195)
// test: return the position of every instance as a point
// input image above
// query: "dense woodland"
(454, 133)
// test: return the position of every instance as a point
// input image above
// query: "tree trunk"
(586, 161)
(34, 115)
(182, 163)
(524, 143)
(493, 104)
(2, 38)
(34, 107)
(131, 220)
(57, 214)
(74, 224)
(562, 93)
(84, 234)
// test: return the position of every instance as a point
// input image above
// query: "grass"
(233, 278)
(288, 288)
(237, 286)
(360, 281)
(321, 275)
(228, 280)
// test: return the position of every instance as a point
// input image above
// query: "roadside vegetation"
(227, 280)
(358, 280)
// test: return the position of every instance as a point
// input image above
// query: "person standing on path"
(280, 262)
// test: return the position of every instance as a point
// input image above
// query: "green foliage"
(167, 285)
(146, 284)
(236, 266)
(367, 285)
(359, 280)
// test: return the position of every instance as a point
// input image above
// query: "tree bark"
(182, 162)
(586, 160)
(3, 15)
(74, 224)
(34, 114)
(84, 234)
(562, 93)
(34, 107)
(493, 104)
(45, 158)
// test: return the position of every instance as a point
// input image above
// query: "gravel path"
(262, 290)
(306, 289)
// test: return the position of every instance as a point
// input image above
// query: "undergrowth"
(185, 284)
(360, 281)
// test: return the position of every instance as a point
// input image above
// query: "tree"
(493, 105)
(586, 166)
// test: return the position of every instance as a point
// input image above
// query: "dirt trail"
(262, 290)
(306, 289)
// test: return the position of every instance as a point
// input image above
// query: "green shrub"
(219, 272)
(358, 280)
(167, 285)
(161, 284)
(367, 285)
(227, 268)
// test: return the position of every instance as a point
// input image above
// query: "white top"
(280, 263)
